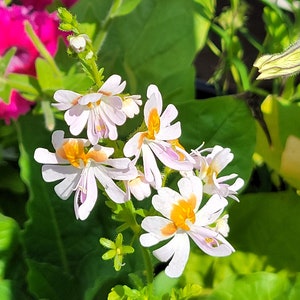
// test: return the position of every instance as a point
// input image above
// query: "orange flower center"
(73, 150)
(153, 124)
(182, 215)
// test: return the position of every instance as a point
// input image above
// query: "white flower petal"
(189, 186)
(82, 210)
(168, 133)
(65, 188)
(151, 170)
(164, 201)
(44, 156)
(211, 211)
(56, 172)
(169, 114)
(222, 249)
(113, 85)
(153, 225)
(179, 247)
(65, 98)
(133, 146)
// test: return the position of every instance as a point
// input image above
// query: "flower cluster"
(196, 211)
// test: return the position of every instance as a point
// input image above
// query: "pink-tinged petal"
(122, 174)
(179, 248)
(191, 186)
(110, 130)
(156, 100)
(117, 116)
(112, 190)
(211, 211)
(171, 132)
(153, 225)
(92, 133)
(169, 157)
(44, 156)
(221, 158)
(151, 170)
(77, 117)
(65, 98)
(88, 194)
(65, 188)
(227, 177)
(164, 201)
(118, 163)
(169, 114)
(113, 85)
(219, 247)
(113, 101)
(89, 98)
(133, 145)
(107, 150)
(237, 185)
(52, 173)
(57, 138)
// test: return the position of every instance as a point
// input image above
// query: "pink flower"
(13, 35)
(42, 4)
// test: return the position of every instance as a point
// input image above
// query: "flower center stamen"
(73, 150)
(153, 124)
(182, 216)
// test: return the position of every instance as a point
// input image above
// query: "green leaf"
(259, 286)
(283, 155)
(204, 13)
(123, 7)
(47, 78)
(25, 84)
(4, 86)
(267, 224)
(157, 46)
(224, 121)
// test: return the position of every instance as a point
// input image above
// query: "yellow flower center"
(182, 215)
(73, 150)
(153, 124)
(153, 127)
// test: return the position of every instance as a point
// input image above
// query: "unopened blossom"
(160, 139)
(181, 220)
(210, 166)
(276, 65)
(100, 111)
(79, 168)
(13, 35)
(138, 187)
(78, 43)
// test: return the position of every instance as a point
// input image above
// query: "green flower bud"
(64, 15)
(276, 65)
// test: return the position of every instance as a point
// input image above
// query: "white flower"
(183, 219)
(100, 111)
(160, 139)
(210, 166)
(78, 170)
(138, 187)
(131, 105)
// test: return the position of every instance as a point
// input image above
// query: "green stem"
(148, 264)
(41, 48)
(95, 73)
